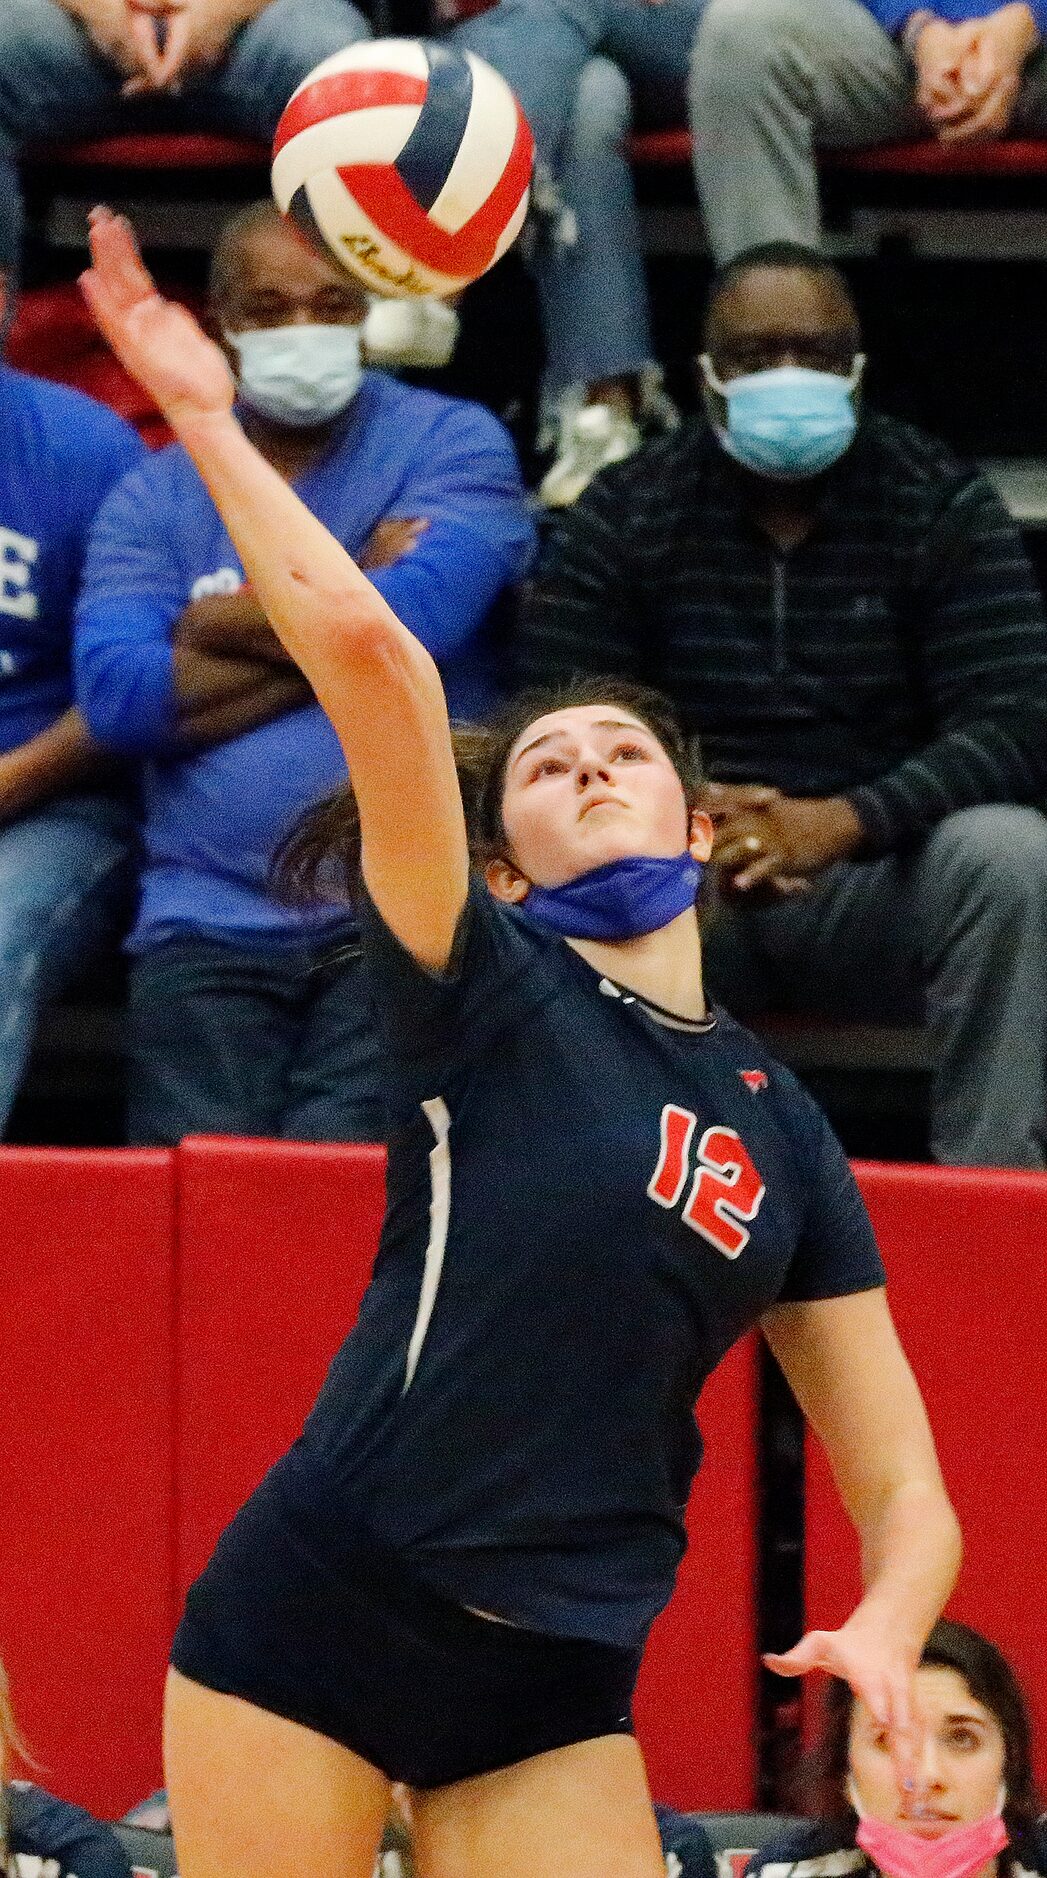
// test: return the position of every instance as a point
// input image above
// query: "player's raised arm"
(378, 685)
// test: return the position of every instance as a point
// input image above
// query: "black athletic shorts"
(365, 1653)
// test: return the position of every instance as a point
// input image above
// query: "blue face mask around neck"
(620, 900)
(788, 423)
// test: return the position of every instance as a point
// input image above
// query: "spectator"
(246, 1017)
(65, 823)
(41, 1837)
(91, 68)
(601, 373)
(977, 1753)
(95, 67)
(843, 613)
(771, 79)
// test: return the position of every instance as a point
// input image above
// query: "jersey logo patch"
(754, 1079)
(726, 1191)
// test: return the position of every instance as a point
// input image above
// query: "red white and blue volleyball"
(406, 161)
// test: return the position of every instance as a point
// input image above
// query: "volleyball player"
(594, 1188)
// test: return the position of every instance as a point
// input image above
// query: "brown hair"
(320, 859)
(992, 1682)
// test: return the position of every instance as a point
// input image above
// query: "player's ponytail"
(319, 861)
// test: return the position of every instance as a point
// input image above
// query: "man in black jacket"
(844, 615)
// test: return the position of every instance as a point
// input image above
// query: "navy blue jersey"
(588, 1203)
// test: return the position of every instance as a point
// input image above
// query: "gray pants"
(773, 79)
(954, 935)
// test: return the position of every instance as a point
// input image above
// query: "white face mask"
(298, 375)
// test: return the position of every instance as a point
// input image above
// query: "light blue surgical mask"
(788, 423)
(298, 375)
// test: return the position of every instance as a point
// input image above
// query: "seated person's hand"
(939, 54)
(768, 840)
(125, 36)
(389, 541)
(974, 94)
(189, 36)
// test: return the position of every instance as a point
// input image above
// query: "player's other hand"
(880, 1672)
(160, 343)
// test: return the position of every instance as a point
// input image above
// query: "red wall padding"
(275, 1247)
(966, 1256)
(695, 1704)
(86, 1604)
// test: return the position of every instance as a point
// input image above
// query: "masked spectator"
(246, 1016)
(771, 79)
(974, 1809)
(843, 613)
(65, 823)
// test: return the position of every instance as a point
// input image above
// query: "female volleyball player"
(594, 1189)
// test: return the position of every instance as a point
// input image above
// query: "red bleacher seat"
(157, 150)
(1007, 156)
(55, 336)
(86, 1501)
(964, 1249)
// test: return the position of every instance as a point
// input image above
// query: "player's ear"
(700, 838)
(506, 882)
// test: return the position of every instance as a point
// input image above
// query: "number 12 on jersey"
(725, 1190)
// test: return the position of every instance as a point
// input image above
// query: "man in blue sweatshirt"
(65, 821)
(247, 1016)
(773, 79)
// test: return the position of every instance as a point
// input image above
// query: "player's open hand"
(880, 1674)
(160, 343)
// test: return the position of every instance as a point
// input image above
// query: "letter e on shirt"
(18, 553)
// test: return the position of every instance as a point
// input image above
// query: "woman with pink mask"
(976, 1814)
(595, 1187)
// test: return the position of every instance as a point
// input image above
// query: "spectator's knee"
(998, 851)
(603, 109)
(739, 41)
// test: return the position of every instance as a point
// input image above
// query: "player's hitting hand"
(880, 1673)
(160, 343)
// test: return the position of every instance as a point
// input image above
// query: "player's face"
(963, 1758)
(588, 785)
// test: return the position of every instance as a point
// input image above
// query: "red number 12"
(726, 1189)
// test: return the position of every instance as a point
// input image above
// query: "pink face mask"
(899, 1852)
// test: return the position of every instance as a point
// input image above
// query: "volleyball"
(406, 161)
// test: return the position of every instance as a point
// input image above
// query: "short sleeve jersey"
(589, 1202)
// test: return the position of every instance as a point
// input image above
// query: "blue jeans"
(64, 880)
(55, 83)
(234, 1039)
(594, 292)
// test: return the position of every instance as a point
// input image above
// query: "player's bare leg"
(255, 1796)
(577, 1812)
